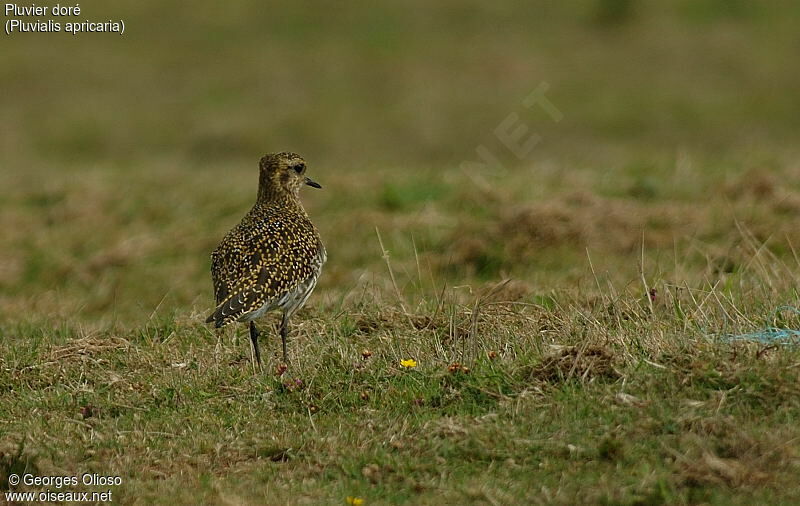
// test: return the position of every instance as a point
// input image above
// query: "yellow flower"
(408, 363)
(354, 501)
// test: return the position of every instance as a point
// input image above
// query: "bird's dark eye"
(299, 168)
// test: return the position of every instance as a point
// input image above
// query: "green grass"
(545, 373)
(556, 405)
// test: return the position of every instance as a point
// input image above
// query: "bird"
(273, 258)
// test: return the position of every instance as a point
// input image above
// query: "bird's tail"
(229, 310)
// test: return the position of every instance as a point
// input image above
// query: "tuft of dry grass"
(580, 363)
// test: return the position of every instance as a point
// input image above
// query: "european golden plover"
(272, 259)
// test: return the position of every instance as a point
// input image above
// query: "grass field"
(569, 311)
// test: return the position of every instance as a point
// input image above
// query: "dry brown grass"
(580, 363)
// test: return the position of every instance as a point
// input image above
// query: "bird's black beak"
(311, 182)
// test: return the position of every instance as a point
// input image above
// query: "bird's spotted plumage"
(273, 257)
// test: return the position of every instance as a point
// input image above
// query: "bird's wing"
(233, 260)
(221, 287)
(269, 266)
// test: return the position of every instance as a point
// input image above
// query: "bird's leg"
(284, 332)
(254, 338)
(218, 347)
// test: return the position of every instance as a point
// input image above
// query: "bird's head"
(281, 174)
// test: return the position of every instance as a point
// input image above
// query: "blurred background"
(125, 158)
